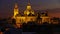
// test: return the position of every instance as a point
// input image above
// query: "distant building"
(29, 15)
(45, 17)
(55, 20)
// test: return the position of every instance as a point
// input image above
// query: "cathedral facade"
(29, 15)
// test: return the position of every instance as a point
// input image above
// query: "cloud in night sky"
(6, 6)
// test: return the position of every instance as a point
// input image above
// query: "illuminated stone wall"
(45, 19)
(24, 19)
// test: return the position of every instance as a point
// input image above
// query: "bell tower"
(16, 10)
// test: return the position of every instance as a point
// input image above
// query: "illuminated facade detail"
(28, 10)
(24, 19)
(16, 10)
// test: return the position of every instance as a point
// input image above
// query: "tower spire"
(16, 6)
(28, 2)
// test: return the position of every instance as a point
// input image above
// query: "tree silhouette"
(13, 21)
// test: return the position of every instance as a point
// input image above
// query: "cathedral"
(29, 15)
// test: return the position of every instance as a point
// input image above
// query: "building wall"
(23, 19)
(45, 19)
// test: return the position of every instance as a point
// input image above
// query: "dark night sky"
(6, 6)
